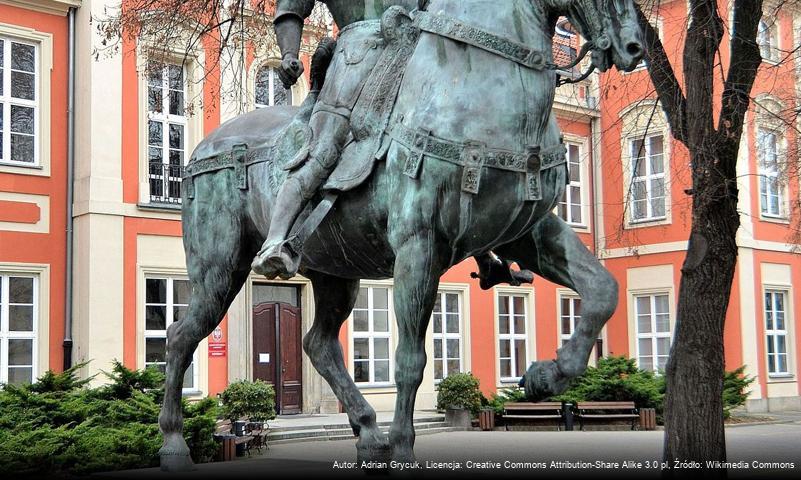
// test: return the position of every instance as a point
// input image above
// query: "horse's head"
(611, 26)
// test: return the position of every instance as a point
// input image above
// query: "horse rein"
(504, 47)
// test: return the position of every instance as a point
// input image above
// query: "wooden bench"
(252, 438)
(607, 411)
(534, 411)
(259, 431)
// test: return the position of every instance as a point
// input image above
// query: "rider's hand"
(291, 69)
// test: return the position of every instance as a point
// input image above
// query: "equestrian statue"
(428, 137)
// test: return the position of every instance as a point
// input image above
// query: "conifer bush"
(59, 425)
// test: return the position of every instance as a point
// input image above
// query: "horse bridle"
(594, 23)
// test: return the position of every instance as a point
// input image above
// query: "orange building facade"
(134, 130)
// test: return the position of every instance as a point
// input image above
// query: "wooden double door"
(277, 353)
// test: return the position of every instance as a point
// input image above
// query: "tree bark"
(694, 376)
(694, 428)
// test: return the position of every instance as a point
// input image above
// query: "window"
(570, 318)
(570, 206)
(648, 179)
(166, 301)
(776, 332)
(167, 130)
(269, 89)
(447, 320)
(571, 315)
(653, 330)
(371, 336)
(512, 339)
(18, 313)
(768, 40)
(771, 191)
(19, 103)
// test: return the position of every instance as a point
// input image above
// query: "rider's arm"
(289, 17)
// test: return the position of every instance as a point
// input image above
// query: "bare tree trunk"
(694, 429)
(694, 399)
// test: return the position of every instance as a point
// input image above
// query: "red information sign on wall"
(217, 349)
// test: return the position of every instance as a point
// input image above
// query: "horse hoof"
(177, 463)
(544, 380)
(374, 460)
(174, 454)
(373, 454)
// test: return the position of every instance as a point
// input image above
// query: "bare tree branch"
(664, 79)
(745, 60)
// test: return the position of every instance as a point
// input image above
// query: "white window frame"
(653, 335)
(371, 335)
(582, 185)
(444, 336)
(273, 80)
(527, 336)
(648, 178)
(772, 334)
(768, 40)
(194, 85)
(562, 337)
(169, 319)
(44, 66)
(6, 335)
(570, 315)
(166, 119)
(770, 177)
(7, 101)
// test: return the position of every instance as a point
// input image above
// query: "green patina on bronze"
(428, 138)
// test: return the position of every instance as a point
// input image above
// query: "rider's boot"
(274, 259)
(493, 270)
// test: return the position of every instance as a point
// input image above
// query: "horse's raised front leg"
(555, 252)
(334, 299)
(417, 271)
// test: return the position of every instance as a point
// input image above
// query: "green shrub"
(735, 384)
(59, 425)
(617, 379)
(245, 399)
(459, 390)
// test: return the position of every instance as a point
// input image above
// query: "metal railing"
(165, 183)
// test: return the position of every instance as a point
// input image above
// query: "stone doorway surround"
(317, 395)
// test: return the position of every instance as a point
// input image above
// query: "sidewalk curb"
(771, 422)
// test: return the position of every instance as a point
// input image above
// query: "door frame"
(317, 395)
(277, 362)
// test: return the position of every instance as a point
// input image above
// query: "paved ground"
(520, 454)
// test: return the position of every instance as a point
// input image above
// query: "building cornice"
(53, 7)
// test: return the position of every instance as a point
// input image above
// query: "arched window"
(269, 89)
(768, 40)
(646, 162)
(771, 152)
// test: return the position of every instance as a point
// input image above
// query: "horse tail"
(320, 62)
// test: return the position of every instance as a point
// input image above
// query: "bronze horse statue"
(471, 162)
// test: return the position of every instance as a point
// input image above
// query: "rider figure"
(359, 45)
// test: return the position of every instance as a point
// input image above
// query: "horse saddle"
(373, 108)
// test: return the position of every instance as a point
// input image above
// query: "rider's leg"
(329, 133)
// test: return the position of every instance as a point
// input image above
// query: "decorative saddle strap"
(239, 158)
(474, 156)
(479, 38)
